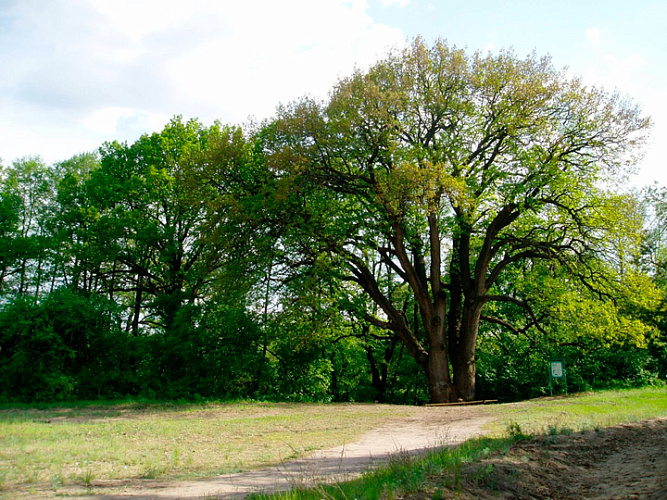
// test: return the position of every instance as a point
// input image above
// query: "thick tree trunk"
(463, 352)
(440, 385)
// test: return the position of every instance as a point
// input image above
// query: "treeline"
(143, 271)
(321, 255)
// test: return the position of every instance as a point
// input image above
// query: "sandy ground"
(624, 462)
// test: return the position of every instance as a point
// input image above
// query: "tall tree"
(73, 263)
(9, 218)
(27, 205)
(451, 169)
(154, 232)
(654, 262)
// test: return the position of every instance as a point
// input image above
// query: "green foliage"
(452, 171)
(150, 225)
(514, 368)
(602, 334)
(26, 210)
(70, 346)
(9, 218)
(64, 347)
(210, 352)
(653, 261)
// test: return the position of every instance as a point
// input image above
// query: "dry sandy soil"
(625, 462)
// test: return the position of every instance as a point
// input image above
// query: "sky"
(77, 73)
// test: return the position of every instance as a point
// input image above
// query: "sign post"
(556, 370)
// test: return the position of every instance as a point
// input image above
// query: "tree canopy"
(452, 169)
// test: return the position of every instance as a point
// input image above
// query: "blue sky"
(76, 73)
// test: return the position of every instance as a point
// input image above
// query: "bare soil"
(624, 462)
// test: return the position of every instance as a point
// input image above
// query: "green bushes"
(67, 346)
(511, 368)
(71, 346)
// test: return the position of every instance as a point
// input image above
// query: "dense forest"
(438, 229)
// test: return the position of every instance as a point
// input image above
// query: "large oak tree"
(450, 169)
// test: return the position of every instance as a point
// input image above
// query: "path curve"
(434, 427)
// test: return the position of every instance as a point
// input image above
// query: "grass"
(439, 471)
(584, 411)
(78, 444)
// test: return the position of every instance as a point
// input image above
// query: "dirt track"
(624, 462)
(426, 428)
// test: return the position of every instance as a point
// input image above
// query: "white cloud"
(98, 71)
(115, 121)
(489, 47)
(614, 72)
(397, 3)
(631, 75)
(624, 68)
(278, 53)
(138, 19)
(593, 35)
(652, 168)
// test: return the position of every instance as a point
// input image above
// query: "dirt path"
(624, 462)
(429, 427)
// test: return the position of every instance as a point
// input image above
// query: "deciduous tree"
(156, 226)
(451, 169)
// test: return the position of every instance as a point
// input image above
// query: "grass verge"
(79, 444)
(584, 411)
(439, 471)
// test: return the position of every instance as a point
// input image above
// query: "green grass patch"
(77, 444)
(584, 411)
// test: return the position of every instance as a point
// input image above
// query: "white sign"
(557, 369)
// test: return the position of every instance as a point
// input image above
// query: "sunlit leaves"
(419, 186)
(452, 169)
(160, 216)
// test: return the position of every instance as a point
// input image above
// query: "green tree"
(604, 343)
(654, 263)
(153, 220)
(27, 205)
(73, 263)
(9, 218)
(451, 169)
(654, 244)
(68, 345)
